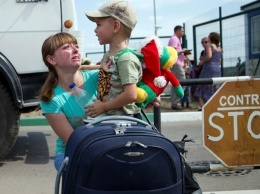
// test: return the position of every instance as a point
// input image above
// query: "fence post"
(221, 37)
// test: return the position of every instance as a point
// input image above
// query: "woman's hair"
(214, 38)
(49, 46)
(204, 39)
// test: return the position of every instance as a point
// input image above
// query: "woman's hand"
(187, 52)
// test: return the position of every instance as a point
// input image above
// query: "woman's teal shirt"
(64, 103)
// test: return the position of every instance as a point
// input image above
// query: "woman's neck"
(66, 80)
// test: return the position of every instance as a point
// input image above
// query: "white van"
(24, 25)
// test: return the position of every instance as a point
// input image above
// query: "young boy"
(186, 97)
(117, 89)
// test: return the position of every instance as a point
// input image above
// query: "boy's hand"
(95, 109)
(156, 103)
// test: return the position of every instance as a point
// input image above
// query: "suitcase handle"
(117, 118)
(59, 174)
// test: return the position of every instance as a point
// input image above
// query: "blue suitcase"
(120, 155)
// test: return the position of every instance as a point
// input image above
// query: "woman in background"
(204, 42)
(210, 62)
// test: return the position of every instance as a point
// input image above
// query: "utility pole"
(155, 23)
(156, 110)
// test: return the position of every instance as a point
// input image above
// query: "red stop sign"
(231, 123)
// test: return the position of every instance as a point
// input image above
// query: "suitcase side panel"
(174, 189)
(91, 153)
(83, 135)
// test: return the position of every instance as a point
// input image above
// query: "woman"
(204, 42)
(210, 62)
(61, 55)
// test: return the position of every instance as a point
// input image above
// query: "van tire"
(9, 122)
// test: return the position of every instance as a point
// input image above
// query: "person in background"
(117, 90)
(204, 42)
(85, 61)
(177, 69)
(86, 64)
(197, 69)
(210, 62)
(61, 55)
(186, 98)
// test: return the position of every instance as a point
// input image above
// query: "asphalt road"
(29, 166)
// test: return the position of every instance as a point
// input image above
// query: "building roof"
(250, 4)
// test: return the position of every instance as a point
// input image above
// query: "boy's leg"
(178, 71)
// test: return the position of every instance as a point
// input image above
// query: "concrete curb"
(33, 121)
(234, 192)
(181, 116)
(165, 117)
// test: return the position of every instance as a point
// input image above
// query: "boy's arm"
(126, 97)
(89, 67)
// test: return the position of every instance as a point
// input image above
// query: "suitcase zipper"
(129, 143)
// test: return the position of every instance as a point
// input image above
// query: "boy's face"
(104, 30)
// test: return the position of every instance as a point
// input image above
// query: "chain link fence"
(134, 43)
(238, 23)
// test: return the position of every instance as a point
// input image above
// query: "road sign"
(231, 123)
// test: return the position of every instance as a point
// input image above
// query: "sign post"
(231, 123)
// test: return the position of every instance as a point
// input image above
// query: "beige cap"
(118, 9)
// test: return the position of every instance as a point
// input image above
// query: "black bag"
(120, 155)
(197, 71)
(191, 184)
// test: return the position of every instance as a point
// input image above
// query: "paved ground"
(32, 162)
(29, 167)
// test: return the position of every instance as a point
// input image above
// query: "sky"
(169, 13)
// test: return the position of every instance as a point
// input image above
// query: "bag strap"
(140, 57)
(148, 121)
(126, 50)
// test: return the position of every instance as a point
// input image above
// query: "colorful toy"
(156, 71)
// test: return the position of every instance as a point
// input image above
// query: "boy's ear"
(117, 25)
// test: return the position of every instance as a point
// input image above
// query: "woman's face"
(67, 55)
(204, 42)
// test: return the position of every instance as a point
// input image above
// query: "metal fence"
(134, 43)
(238, 23)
